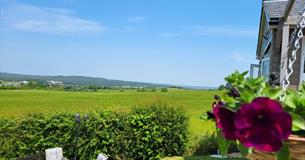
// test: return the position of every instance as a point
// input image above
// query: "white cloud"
(135, 19)
(168, 34)
(49, 20)
(224, 31)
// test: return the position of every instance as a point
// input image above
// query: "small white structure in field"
(24, 82)
(101, 156)
(55, 83)
(54, 154)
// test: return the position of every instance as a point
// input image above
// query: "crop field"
(17, 103)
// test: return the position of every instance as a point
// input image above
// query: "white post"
(302, 69)
(101, 156)
(284, 53)
(252, 68)
(54, 154)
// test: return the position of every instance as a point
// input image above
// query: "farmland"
(17, 103)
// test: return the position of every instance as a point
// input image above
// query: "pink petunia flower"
(263, 124)
(225, 121)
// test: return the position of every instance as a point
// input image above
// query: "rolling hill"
(76, 80)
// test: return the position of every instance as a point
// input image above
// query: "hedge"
(144, 133)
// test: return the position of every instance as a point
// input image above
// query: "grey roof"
(276, 8)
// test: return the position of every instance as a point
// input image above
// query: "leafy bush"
(222, 87)
(141, 90)
(164, 90)
(207, 145)
(144, 133)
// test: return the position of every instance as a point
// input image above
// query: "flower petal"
(244, 116)
(264, 103)
(260, 139)
(225, 121)
(263, 124)
(282, 125)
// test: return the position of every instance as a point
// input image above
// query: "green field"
(16, 103)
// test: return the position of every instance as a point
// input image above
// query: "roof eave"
(260, 32)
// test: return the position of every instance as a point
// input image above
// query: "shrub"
(207, 145)
(144, 133)
(222, 87)
(141, 90)
(164, 90)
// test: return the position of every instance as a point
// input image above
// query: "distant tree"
(68, 88)
(164, 90)
(222, 87)
(105, 87)
(141, 90)
(153, 90)
(93, 88)
(32, 84)
(177, 87)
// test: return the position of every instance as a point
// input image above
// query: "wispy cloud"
(49, 20)
(168, 34)
(224, 31)
(135, 19)
(242, 58)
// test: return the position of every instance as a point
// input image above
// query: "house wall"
(275, 58)
(275, 62)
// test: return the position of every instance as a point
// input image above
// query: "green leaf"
(244, 73)
(283, 154)
(204, 116)
(223, 144)
(243, 150)
(298, 123)
(302, 88)
(247, 96)
(291, 100)
(274, 93)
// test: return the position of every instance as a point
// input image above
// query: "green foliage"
(295, 104)
(243, 90)
(243, 150)
(222, 87)
(145, 133)
(223, 144)
(164, 90)
(207, 145)
(249, 88)
(141, 90)
(18, 103)
(283, 154)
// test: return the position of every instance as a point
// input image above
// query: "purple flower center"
(260, 117)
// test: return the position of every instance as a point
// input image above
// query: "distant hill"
(76, 80)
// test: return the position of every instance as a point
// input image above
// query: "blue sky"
(184, 42)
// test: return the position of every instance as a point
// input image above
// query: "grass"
(17, 103)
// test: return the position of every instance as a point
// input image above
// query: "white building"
(55, 83)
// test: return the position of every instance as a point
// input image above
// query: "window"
(265, 70)
(254, 70)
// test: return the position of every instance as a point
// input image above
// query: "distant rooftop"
(275, 8)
